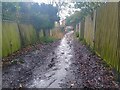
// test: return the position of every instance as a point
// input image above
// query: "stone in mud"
(62, 53)
(66, 69)
(53, 52)
(52, 59)
(51, 65)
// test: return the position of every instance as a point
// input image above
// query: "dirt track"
(62, 64)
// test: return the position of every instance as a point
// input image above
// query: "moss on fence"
(0, 39)
(106, 35)
(89, 29)
(28, 34)
(15, 36)
(10, 38)
(102, 33)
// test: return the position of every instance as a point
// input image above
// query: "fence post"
(94, 27)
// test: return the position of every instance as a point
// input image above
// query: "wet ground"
(63, 64)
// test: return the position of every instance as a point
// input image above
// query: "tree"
(8, 11)
(85, 9)
(73, 19)
(41, 16)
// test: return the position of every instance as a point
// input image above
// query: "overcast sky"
(47, 1)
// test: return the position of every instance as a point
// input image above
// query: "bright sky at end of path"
(48, 1)
(42, 1)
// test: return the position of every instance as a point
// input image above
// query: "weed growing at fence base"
(104, 63)
(77, 34)
(47, 39)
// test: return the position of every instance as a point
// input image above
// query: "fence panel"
(89, 29)
(28, 34)
(106, 34)
(10, 38)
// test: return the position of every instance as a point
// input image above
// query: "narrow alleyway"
(63, 64)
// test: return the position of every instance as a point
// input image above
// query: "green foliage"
(85, 9)
(73, 19)
(83, 41)
(8, 11)
(17, 61)
(45, 16)
(47, 39)
(77, 34)
(41, 16)
(41, 33)
(28, 19)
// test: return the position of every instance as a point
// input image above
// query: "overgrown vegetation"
(105, 37)
(29, 18)
(85, 9)
(77, 34)
(47, 39)
(42, 16)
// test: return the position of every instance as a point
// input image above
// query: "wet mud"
(63, 64)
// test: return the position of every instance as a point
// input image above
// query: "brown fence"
(102, 32)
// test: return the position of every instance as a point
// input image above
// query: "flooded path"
(58, 67)
(63, 64)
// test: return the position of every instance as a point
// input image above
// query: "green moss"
(28, 34)
(0, 40)
(83, 41)
(10, 38)
(16, 35)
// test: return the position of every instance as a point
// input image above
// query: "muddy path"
(62, 64)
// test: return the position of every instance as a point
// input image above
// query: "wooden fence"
(18, 35)
(102, 32)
